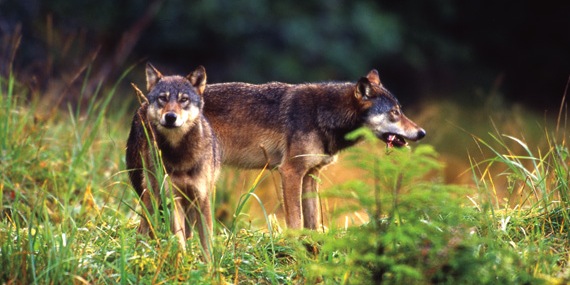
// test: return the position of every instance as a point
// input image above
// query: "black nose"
(170, 118)
(421, 134)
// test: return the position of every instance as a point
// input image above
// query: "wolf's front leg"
(292, 178)
(179, 222)
(311, 206)
(147, 213)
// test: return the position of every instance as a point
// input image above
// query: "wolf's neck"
(174, 138)
(339, 117)
(181, 151)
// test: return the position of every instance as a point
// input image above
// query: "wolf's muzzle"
(170, 120)
(421, 134)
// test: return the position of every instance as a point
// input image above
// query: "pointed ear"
(363, 88)
(198, 79)
(374, 77)
(152, 76)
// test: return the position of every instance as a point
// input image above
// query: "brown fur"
(173, 120)
(300, 129)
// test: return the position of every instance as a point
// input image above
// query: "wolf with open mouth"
(299, 129)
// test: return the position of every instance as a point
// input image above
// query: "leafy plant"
(419, 231)
(68, 215)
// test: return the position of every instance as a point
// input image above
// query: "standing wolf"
(300, 129)
(172, 121)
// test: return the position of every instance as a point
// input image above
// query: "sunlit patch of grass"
(68, 215)
(57, 182)
(449, 125)
(533, 218)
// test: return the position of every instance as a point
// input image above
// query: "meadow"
(466, 206)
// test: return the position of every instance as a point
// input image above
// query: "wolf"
(300, 128)
(171, 122)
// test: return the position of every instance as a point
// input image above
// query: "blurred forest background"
(421, 48)
(495, 59)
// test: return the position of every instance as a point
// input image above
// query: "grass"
(68, 215)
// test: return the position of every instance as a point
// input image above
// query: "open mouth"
(394, 140)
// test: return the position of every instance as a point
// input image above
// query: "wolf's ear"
(198, 79)
(363, 89)
(373, 77)
(152, 76)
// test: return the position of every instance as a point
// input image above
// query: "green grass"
(69, 216)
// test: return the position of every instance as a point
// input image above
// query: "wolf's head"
(383, 113)
(175, 102)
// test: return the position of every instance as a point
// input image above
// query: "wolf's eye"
(162, 98)
(183, 99)
(395, 112)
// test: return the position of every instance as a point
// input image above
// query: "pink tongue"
(390, 139)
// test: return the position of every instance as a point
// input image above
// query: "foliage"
(534, 216)
(67, 215)
(421, 232)
(420, 48)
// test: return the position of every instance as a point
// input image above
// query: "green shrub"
(67, 214)
(419, 231)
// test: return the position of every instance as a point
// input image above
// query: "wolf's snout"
(421, 134)
(170, 119)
